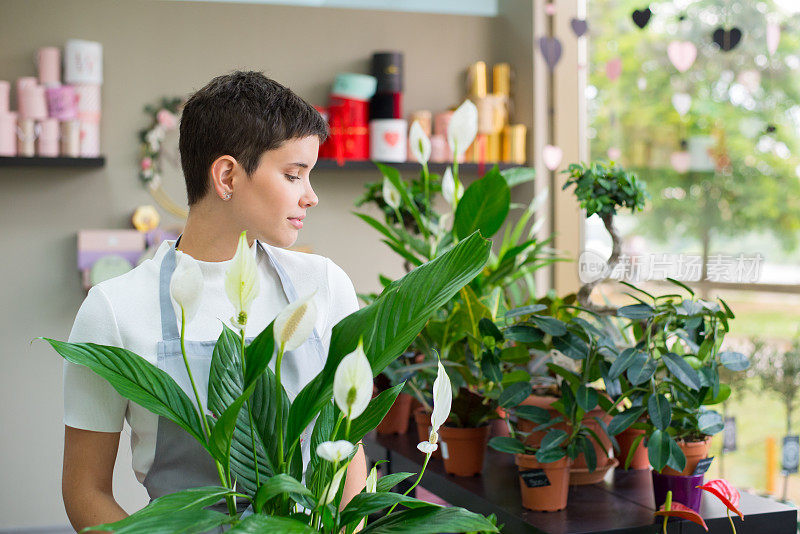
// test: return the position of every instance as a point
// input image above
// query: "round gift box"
(388, 140)
(354, 86)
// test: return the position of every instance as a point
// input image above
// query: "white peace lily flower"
(442, 402)
(463, 128)
(427, 447)
(295, 323)
(186, 285)
(241, 280)
(372, 480)
(333, 487)
(390, 194)
(335, 451)
(352, 383)
(452, 191)
(420, 144)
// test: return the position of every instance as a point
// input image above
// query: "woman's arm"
(356, 477)
(87, 477)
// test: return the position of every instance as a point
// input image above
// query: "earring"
(227, 196)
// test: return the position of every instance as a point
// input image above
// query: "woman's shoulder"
(314, 272)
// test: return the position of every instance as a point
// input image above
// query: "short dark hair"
(242, 114)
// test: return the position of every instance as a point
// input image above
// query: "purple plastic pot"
(684, 489)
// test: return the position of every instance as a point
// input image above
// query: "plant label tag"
(445, 454)
(535, 478)
(703, 465)
(791, 454)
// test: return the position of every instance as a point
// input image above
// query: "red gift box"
(349, 137)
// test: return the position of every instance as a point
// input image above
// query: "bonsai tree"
(603, 189)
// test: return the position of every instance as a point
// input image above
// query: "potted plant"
(253, 434)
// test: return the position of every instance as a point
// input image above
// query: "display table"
(621, 504)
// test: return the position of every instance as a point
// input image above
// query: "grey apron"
(180, 462)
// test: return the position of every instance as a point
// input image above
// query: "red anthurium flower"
(725, 492)
(684, 512)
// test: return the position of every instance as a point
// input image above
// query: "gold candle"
(476, 80)
(514, 143)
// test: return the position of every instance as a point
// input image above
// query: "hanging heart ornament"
(681, 102)
(579, 26)
(551, 50)
(682, 54)
(551, 156)
(641, 17)
(727, 39)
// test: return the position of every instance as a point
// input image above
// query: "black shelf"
(21, 161)
(367, 165)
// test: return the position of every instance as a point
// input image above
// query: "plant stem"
(422, 472)
(250, 414)
(667, 507)
(279, 403)
(229, 499)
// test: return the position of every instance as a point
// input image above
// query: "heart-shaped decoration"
(391, 138)
(641, 17)
(682, 54)
(550, 9)
(579, 27)
(614, 69)
(551, 156)
(681, 102)
(551, 50)
(614, 153)
(727, 39)
(680, 161)
(750, 79)
(773, 37)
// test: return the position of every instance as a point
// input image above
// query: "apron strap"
(286, 282)
(169, 322)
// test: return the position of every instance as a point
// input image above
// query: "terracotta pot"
(694, 451)
(396, 419)
(463, 449)
(499, 426)
(545, 498)
(544, 402)
(422, 418)
(625, 440)
(600, 452)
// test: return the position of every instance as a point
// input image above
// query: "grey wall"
(154, 49)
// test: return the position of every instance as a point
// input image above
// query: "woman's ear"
(223, 170)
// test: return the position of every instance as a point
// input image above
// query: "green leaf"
(169, 522)
(518, 175)
(220, 441)
(278, 485)
(507, 444)
(589, 453)
(641, 369)
(586, 397)
(658, 449)
(514, 394)
(533, 413)
(571, 346)
(431, 520)
(623, 361)
(523, 334)
(125, 371)
(682, 370)
(483, 207)
(636, 311)
(550, 325)
(553, 438)
(547, 456)
(722, 395)
(486, 327)
(623, 421)
(258, 354)
(387, 482)
(390, 324)
(735, 361)
(677, 460)
(525, 310)
(365, 504)
(660, 411)
(258, 524)
(632, 451)
(710, 423)
(681, 284)
(190, 499)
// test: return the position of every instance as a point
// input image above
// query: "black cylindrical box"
(387, 67)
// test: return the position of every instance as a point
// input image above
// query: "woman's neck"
(208, 235)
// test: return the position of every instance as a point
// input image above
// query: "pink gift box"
(8, 134)
(32, 102)
(94, 244)
(5, 89)
(47, 143)
(62, 102)
(49, 61)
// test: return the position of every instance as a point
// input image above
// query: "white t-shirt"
(125, 312)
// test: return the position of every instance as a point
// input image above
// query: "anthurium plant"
(251, 428)
(719, 488)
(671, 374)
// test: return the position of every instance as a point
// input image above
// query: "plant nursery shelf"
(621, 504)
(20, 161)
(367, 165)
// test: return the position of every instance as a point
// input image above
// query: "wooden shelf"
(367, 165)
(21, 161)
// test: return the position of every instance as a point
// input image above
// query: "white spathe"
(295, 323)
(442, 402)
(452, 191)
(352, 383)
(372, 480)
(390, 194)
(335, 451)
(241, 281)
(186, 286)
(419, 143)
(463, 128)
(333, 487)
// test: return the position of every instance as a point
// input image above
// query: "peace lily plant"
(257, 450)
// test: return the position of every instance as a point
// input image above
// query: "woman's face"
(272, 203)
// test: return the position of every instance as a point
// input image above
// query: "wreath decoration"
(163, 119)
